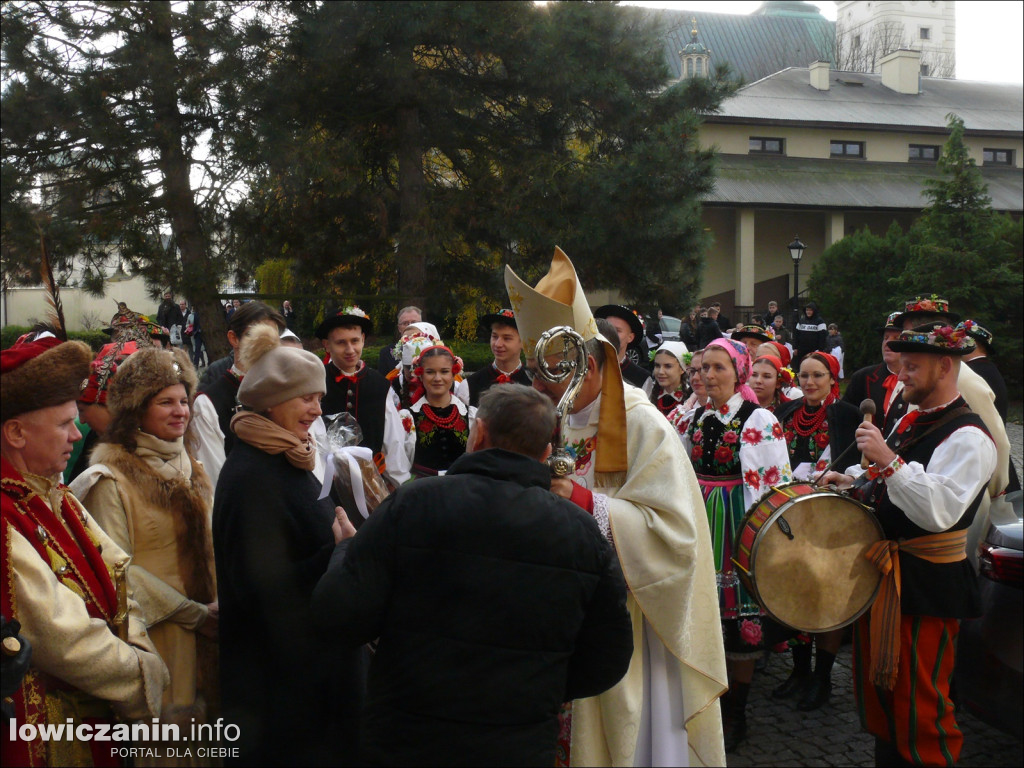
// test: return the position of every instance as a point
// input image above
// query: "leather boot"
(816, 694)
(794, 685)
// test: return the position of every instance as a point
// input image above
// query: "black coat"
(494, 601)
(843, 420)
(707, 331)
(294, 696)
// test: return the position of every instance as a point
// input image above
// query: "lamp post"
(796, 252)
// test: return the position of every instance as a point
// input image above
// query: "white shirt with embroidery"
(764, 457)
(935, 495)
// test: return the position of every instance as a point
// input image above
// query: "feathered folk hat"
(927, 307)
(145, 373)
(275, 373)
(503, 316)
(892, 322)
(752, 332)
(41, 371)
(102, 369)
(346, 316)
(934, 338)
(558, 299)
(982, 336)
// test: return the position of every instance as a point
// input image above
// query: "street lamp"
(796, 252)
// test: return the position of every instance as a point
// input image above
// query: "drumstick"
(868, 408)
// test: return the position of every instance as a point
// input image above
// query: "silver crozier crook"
(574, 364)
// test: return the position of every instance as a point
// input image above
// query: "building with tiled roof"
(813, 152)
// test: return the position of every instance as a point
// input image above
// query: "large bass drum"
(800, 552)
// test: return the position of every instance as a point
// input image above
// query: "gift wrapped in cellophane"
(350, 475)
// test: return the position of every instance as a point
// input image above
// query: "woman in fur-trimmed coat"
(154, 500)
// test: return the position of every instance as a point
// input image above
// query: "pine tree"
(104, 110)
(414, 148)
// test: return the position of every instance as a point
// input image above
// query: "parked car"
(665, 328)
(989, 679)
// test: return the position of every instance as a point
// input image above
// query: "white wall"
(24, 306)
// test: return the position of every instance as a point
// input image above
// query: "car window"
(670, 324)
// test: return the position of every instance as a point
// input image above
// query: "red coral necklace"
(806, 425)
(445, 422)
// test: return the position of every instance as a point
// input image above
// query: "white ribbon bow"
(349, 455)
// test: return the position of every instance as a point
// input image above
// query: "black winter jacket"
(810, 334)
(494, 601)
(294, 695)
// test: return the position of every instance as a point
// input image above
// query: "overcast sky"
(989, 35)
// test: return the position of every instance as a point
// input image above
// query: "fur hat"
(41, 373)
(275, 373)
(145, 373)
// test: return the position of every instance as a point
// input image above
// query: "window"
(924, 153)
(689, 67)
(766, 146)
(700, 67)
(856, 42)
(852, 149)
(926, 33)
(924, 70)
(998, 156)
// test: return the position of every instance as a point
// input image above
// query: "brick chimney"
(819, 75)
(901, 71)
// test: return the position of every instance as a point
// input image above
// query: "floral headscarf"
(832, 364)
(740, 362)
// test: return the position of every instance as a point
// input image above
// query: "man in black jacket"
(494, 601)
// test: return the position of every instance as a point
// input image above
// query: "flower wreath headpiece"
(417, 363)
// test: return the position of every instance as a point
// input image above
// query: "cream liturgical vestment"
(660, 532)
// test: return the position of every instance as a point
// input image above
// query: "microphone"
(868, 409)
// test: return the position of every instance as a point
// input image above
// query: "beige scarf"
(167, 457)
(260, 432)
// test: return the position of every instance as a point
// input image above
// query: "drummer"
(817, 427)
(926, 483)
(737, 451)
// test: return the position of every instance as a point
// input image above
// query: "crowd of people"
(202, 563)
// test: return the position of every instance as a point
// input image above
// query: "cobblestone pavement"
(779, 734)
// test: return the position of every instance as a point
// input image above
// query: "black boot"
(820, 689)
(800, 678)
(734, 718)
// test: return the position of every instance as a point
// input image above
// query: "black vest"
(946, 590)
(843, 420)
(365, 396)
(223, 393)
(484, 379)
(712, 432)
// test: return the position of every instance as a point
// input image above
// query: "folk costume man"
(878, 381)
(354, 387)
(631, 474)
(507, 367)
(926, 482)
(627, 324)
(753, 336)
(56, 579)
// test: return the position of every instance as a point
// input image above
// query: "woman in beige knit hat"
(283, 685)
(153, 498)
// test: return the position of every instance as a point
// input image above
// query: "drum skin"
(819, 579)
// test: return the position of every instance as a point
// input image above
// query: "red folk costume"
(55, 580)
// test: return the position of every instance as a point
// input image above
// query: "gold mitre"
(558, 300)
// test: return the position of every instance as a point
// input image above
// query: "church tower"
(695, 56)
